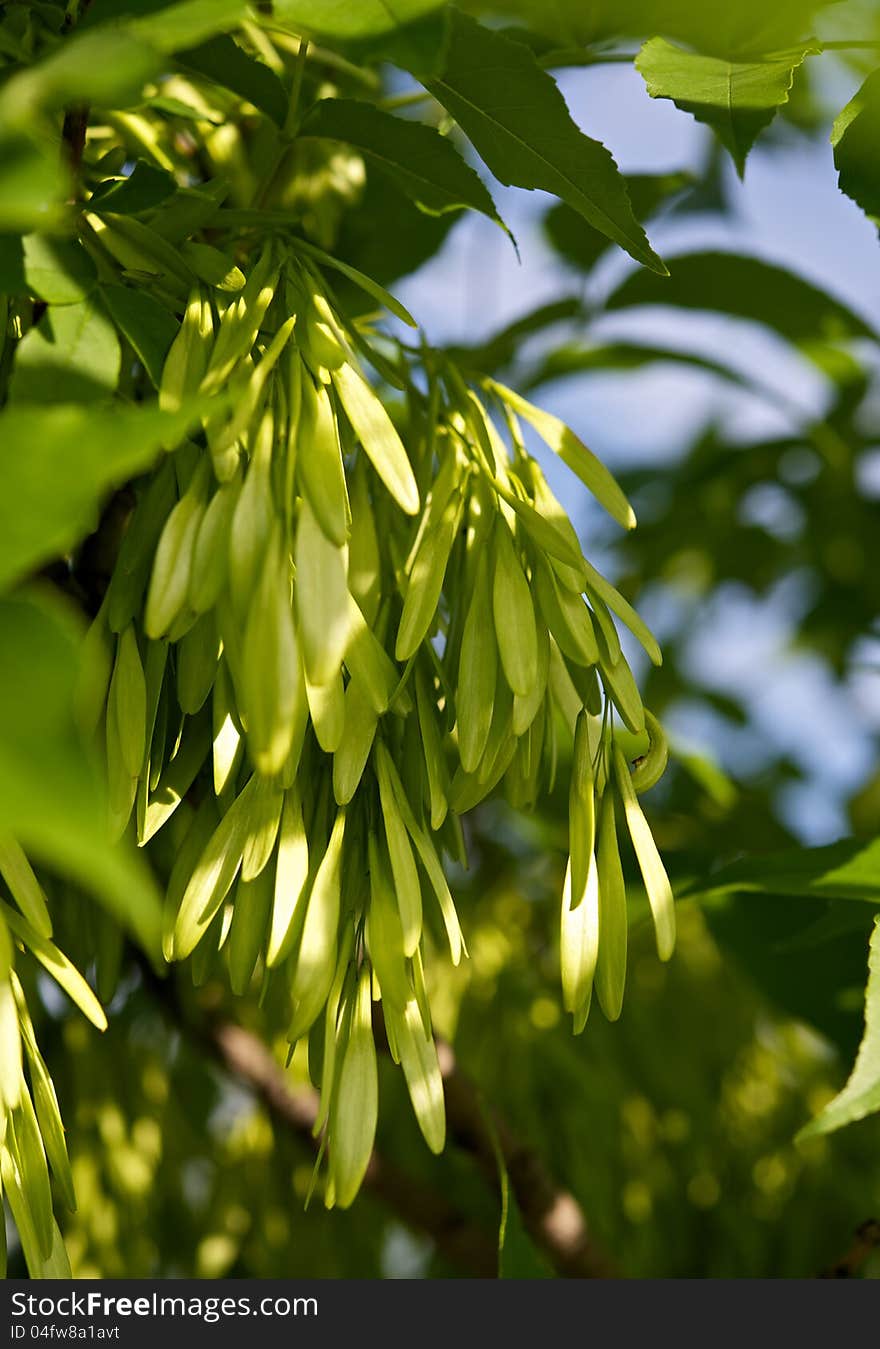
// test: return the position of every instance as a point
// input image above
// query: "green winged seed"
(252, 522)
(46, 1106)
(654, 875)
(376, 432)
(291, 875)
(623, 691)
(579, 944)
(169, 582)
(26, 890)
(23, 1136)
(385, 933)
(429, 858)
(567, 617)
(197, 656)
(526, 708)
(418, 1058)
(425, 580)
(477, 672)
(58, 966)
(210, 561)
(188, 355)
(214, 873)
(322, 599)
(572, 451)
(514, 614)
(581, 809)
(11, 1080)
(333, 1019)
(354, 1112)
(364, 560)
(432, 747)
(315, 961)
(327, 708)
(319, 466)
(403, 867)
(270, 677)
(263, 817)
(228, 745)
(358, 733)
(369, 662)
(625, 612)
(250, 915)
(611, 963)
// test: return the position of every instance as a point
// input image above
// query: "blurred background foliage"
(675, 1127)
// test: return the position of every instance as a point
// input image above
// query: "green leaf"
(582, 246)
(106, 67)
(223, 61)
(33, 184)
(145, 188)
(189, 23)
(747, 288)
(845, 870)
(736, 98)
(71, 356)
(57, 463)
(861, 1095)
(575, 358)
(854, 137)
(12, 280)
(347, 21)
(147, 324)
(517, 120)
(59, 271)
(424, 164)
(51, 797)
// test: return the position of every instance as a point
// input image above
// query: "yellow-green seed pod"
(247, 932)
(403, 867)
(319, 467)
(127, 702)
(581, 809)
(611, 963)
(327, 708)
(432, 747)
(525, 709)
(364, 560)
(23, 1139)
(514, 614)
(567, 617)
(188, 355)
(376, 432)
(354, 1111)
(11, 1080)
(343, 980)
(621, 687)
(291, 876)
(228, 744)
(270, 679)
(315, 960)
(252, 522)
(214, 872)
(321, 336)
(579, 944)
(359, 728)
(45, 1104)
(169, 582)
(263, 816)
(477, 673)
(197, 656)
(322, 599)
(24, 887)
(65, 974)
(385, 933)
(426, 580)
(370, 664)
(654, 875)
(418, 1058)
(210, 561)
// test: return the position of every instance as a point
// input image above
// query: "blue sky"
(790, 211)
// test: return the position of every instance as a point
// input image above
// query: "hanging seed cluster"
(333, 633)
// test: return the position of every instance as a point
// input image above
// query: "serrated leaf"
(516, 117)
(736, 98)
(854, 137)
(424, 164)
(861, 1095)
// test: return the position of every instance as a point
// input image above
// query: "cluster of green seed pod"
(333, 634)
(32, 1141)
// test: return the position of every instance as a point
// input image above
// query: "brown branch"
(866, 1240)
(552, 1216)
(468, 1246)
